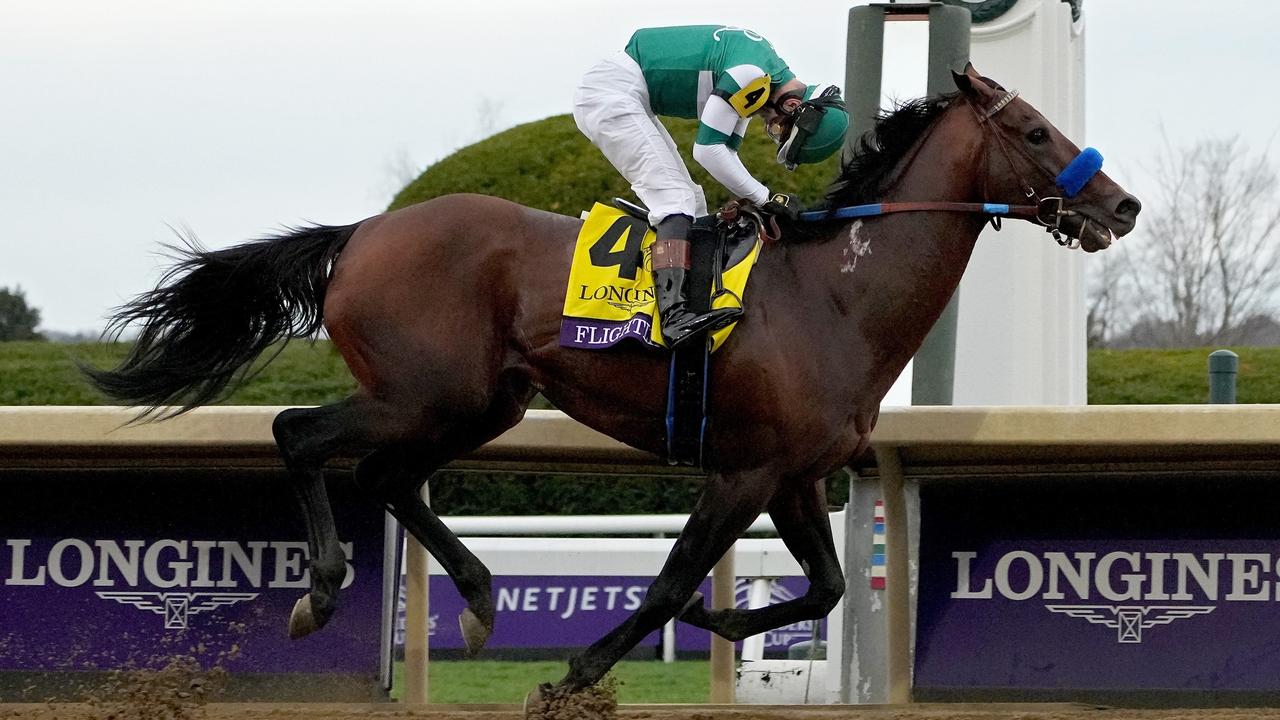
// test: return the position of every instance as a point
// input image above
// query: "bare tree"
(398, 171)
(1207, 253)
(1109, 292)
(488, 116)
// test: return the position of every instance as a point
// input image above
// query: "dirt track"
(628, 712)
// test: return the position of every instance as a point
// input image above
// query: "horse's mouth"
(1093, 235)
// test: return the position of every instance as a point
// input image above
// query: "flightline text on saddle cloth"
(610, 296)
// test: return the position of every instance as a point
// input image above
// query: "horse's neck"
(889, 278)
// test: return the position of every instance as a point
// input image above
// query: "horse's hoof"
(474, 632)
(302, 621)
(533, 699)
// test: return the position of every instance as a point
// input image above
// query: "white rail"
(506, 525)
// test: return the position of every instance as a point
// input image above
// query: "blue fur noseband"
(1079, 172)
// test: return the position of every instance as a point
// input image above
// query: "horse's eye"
(1038, 136)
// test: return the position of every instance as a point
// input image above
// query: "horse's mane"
(864, 175)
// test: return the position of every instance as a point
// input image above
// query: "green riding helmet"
(818, 128)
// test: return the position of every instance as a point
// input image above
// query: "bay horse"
(447, 314)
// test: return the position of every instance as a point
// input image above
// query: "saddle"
(716, 242)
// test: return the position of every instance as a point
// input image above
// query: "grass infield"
(493, 681)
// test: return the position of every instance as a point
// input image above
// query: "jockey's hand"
(784, 205)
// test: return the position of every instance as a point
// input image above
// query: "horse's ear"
(970, 82)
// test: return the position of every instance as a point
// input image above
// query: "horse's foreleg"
(726, 509)
(395, 477)
(800, 515)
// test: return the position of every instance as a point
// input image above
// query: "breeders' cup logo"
(176, 607)
(1138, 590)
(175, 579)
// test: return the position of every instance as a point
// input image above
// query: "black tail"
(215, 312)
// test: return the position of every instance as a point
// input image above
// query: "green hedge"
(1162, 377)
(40, 373)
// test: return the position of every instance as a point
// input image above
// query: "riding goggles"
(800, 124)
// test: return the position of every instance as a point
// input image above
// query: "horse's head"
(1028, 159)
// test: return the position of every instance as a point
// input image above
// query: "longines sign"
(1138, 584)
(215, 570)
(103, 568)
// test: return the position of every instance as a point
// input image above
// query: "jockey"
(723, 76)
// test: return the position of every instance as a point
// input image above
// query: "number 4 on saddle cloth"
(610, 298)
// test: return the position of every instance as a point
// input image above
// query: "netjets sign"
(1126, 591)
(540, 611)
(174, 579)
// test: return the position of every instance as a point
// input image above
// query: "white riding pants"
(611, 107)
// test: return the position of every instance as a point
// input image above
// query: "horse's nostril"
(1129, 207)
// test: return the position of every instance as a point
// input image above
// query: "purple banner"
(1135, 584)
(102, 569)
(590, 334)
(573, 612)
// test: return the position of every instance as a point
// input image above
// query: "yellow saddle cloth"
(610, 297)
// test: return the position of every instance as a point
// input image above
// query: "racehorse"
(447, 314)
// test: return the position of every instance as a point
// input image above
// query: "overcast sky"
(235, 117)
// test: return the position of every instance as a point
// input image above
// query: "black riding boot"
(671, 284)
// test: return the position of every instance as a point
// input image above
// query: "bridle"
(1047, 211)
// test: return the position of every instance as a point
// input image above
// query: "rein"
(1047, 212)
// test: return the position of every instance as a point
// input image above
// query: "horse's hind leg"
(726, 509)
(800, 515)
(395, 475)
(307, 437)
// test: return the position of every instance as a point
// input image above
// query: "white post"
(898, 576)
(1021, 330)
(757, 597)
(416, 618)
(722, 660)
(668, 630)
(835, 680)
